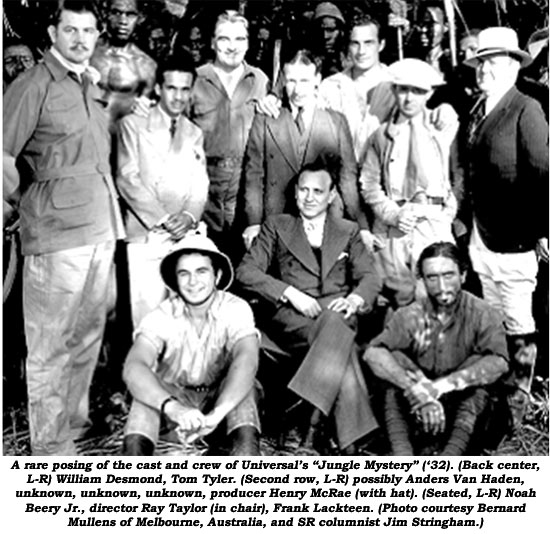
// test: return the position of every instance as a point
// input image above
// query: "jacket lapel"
(294, 237)
(335, 240)
(490, 124)
(283, 136)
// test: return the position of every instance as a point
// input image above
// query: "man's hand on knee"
(432, 417)
(422, 392)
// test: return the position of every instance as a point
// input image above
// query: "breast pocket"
(65, 116)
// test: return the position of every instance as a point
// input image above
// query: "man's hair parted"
(442, 249)
(76, 6)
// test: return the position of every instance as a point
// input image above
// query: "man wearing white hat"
(195, 357)
(405, 180)
(507, 185)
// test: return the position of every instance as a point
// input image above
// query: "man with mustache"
(438, 357)
(126, 71)
(57, 130)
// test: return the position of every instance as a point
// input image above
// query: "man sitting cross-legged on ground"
(195, 357)
(316, 271)
(438, 355)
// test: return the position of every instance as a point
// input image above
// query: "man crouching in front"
(194, 358)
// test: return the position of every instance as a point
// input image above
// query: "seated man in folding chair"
(316, 271)
(194, 359)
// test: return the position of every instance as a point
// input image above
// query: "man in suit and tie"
(507, 187)
(278, 147)
(162, 177)
(316, 272)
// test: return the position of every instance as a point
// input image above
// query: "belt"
(437, 201)
(202, 388)
(83, 170)
(230, 162)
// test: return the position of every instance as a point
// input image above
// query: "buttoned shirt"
(159, 175)
(475, 329)
(225, 121)
(314, 229)
(59, 132)
(187, 357)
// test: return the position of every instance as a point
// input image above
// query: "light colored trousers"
(508, 282)
(66, 296)
(146, 421)
(396, 262)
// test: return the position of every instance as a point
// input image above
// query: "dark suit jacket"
(281, 256)
(507, 183)
(272, 160)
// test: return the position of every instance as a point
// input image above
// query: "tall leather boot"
(245, 441)
(137, 445)
(523, 355)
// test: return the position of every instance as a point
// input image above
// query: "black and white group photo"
(275, 228)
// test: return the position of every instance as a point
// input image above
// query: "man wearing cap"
(405, 180)
(315, 271)
(507, 187)
(194, 358)
(328, 28)
(162, 177)
(57, 178)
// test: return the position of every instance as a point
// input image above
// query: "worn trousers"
(146, 421)
(65, 303)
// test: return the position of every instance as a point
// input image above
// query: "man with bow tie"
(162, 177)
(405, 180)
(56, 129)
(315, 271)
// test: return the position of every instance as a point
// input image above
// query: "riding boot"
(523, 355)
(137, 445)
(245, 441)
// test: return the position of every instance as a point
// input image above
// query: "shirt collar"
(181, 309)
(431, 311)
(78, 69)
(318, 223)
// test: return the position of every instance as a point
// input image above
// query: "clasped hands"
(192, 423)
(423, 396)
(178, 224)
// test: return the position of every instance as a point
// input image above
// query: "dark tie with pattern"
(173, 128)
(300, 121)
(477, 116)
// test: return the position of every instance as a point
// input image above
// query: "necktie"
(416, 173)
(300, 121)
(477, 116)
(173, 127)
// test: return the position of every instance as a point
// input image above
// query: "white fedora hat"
(499, 41)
